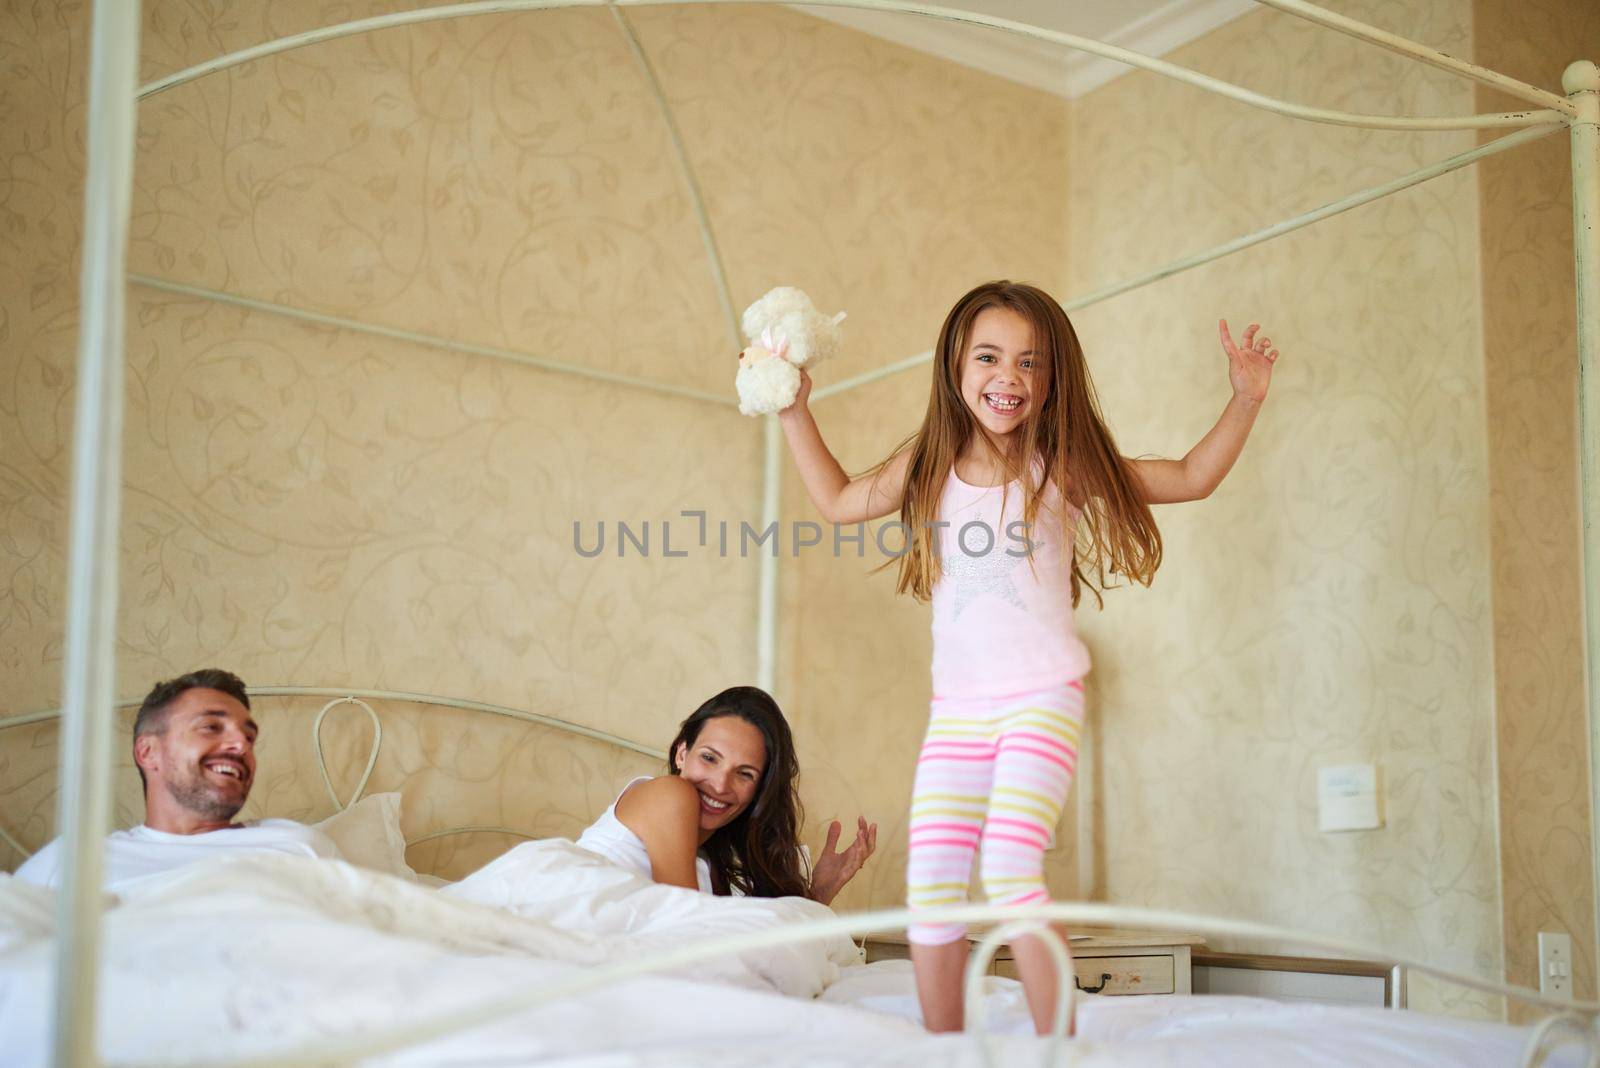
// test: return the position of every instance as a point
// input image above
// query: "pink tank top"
(1001, 626)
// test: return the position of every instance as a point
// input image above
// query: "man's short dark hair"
(152, 717)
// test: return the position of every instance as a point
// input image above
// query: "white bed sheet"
(1234, 1030)
(255, 955)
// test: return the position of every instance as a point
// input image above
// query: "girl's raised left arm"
(1204, 467)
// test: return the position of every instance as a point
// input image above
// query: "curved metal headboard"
(344, 695)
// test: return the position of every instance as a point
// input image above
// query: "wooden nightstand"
(1109, 961)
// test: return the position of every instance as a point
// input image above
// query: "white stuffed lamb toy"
(786, 333)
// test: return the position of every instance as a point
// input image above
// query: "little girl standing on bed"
(1013, 496)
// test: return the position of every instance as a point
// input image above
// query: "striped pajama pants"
(991, 779)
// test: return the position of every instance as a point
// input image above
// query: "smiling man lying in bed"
(194, 744)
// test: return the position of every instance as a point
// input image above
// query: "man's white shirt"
(143, 851)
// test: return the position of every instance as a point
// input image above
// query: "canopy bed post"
(767, 603)
(1582, 83)
(89, 660)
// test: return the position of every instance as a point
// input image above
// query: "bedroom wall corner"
(1328, 604)
(1531, 370)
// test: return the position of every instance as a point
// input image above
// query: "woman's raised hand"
(834, 868)
(1250, 362)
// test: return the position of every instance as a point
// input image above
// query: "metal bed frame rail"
(1572, 1022)
(347, 696)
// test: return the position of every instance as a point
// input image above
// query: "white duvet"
(255, 955)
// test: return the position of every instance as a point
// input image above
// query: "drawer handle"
(1105, 977)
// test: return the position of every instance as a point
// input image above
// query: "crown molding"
(1053, 68)
(1169, 27)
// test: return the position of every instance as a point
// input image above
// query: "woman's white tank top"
(611, 838)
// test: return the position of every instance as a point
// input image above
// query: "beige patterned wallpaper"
(1330, 603)
(320, 506)
(1530, 357)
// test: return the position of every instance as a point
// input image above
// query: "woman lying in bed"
(727, 820)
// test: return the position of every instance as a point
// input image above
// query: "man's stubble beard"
(200, 797)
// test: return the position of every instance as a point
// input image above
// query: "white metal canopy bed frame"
(87, 687)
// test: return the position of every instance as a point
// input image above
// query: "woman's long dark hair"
(758, 852)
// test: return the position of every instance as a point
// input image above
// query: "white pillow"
(368, 835)
(26, 912)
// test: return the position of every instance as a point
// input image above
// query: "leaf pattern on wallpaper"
(1530, 345)
(1330, 604)
(309, 505)
(500, 180)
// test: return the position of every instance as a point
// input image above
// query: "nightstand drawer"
(1113, 975)
(1136, 962)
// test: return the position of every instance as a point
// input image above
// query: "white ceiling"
(1153, 27)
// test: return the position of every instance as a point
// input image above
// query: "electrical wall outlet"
(1555, 963)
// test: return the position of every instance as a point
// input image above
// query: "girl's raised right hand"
(801, 397)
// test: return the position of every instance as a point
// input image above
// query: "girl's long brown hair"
(1065, 437)
(758, 852)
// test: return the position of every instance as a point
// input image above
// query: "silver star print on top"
(993, 574)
